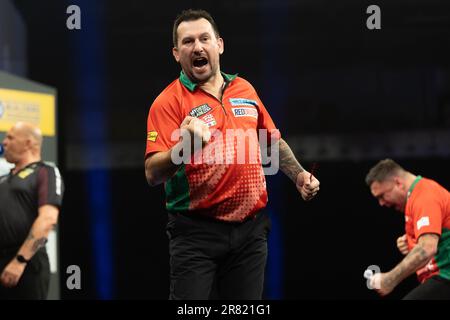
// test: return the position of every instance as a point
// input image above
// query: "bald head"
(22, 144)
(29, 132)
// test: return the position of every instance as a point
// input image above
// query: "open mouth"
(200, 62)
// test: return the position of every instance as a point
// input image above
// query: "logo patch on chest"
(209, 120)
(200, 110)
(245, 112)
(243, 102)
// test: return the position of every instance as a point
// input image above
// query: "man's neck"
(409, 180)
(25, 162)
(214, 85)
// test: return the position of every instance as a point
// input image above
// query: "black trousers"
(217, 260)
(435, 288)
(34, 283)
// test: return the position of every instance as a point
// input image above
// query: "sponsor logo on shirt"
(200, 110)
(423, 222)
(245, 112)
(152, 135)
(243, 102)
(2, 109)
(25, 173)
(209, 120)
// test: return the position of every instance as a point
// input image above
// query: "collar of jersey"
(411, 188)
(191, 85)
(26, 167)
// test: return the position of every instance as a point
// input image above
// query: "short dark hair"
(192, 15)
(383, 170)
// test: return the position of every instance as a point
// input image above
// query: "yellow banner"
(36, 108)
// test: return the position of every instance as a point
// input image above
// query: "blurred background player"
(30, 198)
(426, 243)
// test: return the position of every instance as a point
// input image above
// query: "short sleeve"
(50, 186)
(164, 118)
(265, 121)
(427, 214)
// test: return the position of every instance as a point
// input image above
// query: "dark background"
(318, 69)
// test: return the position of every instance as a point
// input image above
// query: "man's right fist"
(402, 244)
(197, 128)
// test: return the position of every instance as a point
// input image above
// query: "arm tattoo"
(30, 236)
(288, 163)
(414, 260)
(39, 243)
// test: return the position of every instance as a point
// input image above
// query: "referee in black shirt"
(30, 199)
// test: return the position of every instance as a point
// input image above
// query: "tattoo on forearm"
(288, 163)
(30, 236)
(414, 260)
(39, 243)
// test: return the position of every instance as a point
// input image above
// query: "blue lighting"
(100, 208)
(274, 21)
(88, 61)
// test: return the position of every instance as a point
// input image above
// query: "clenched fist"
(197, 128)
(402, 244)
(307, 185)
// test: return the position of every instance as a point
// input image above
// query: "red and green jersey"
(234, 187)
(428, 211)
